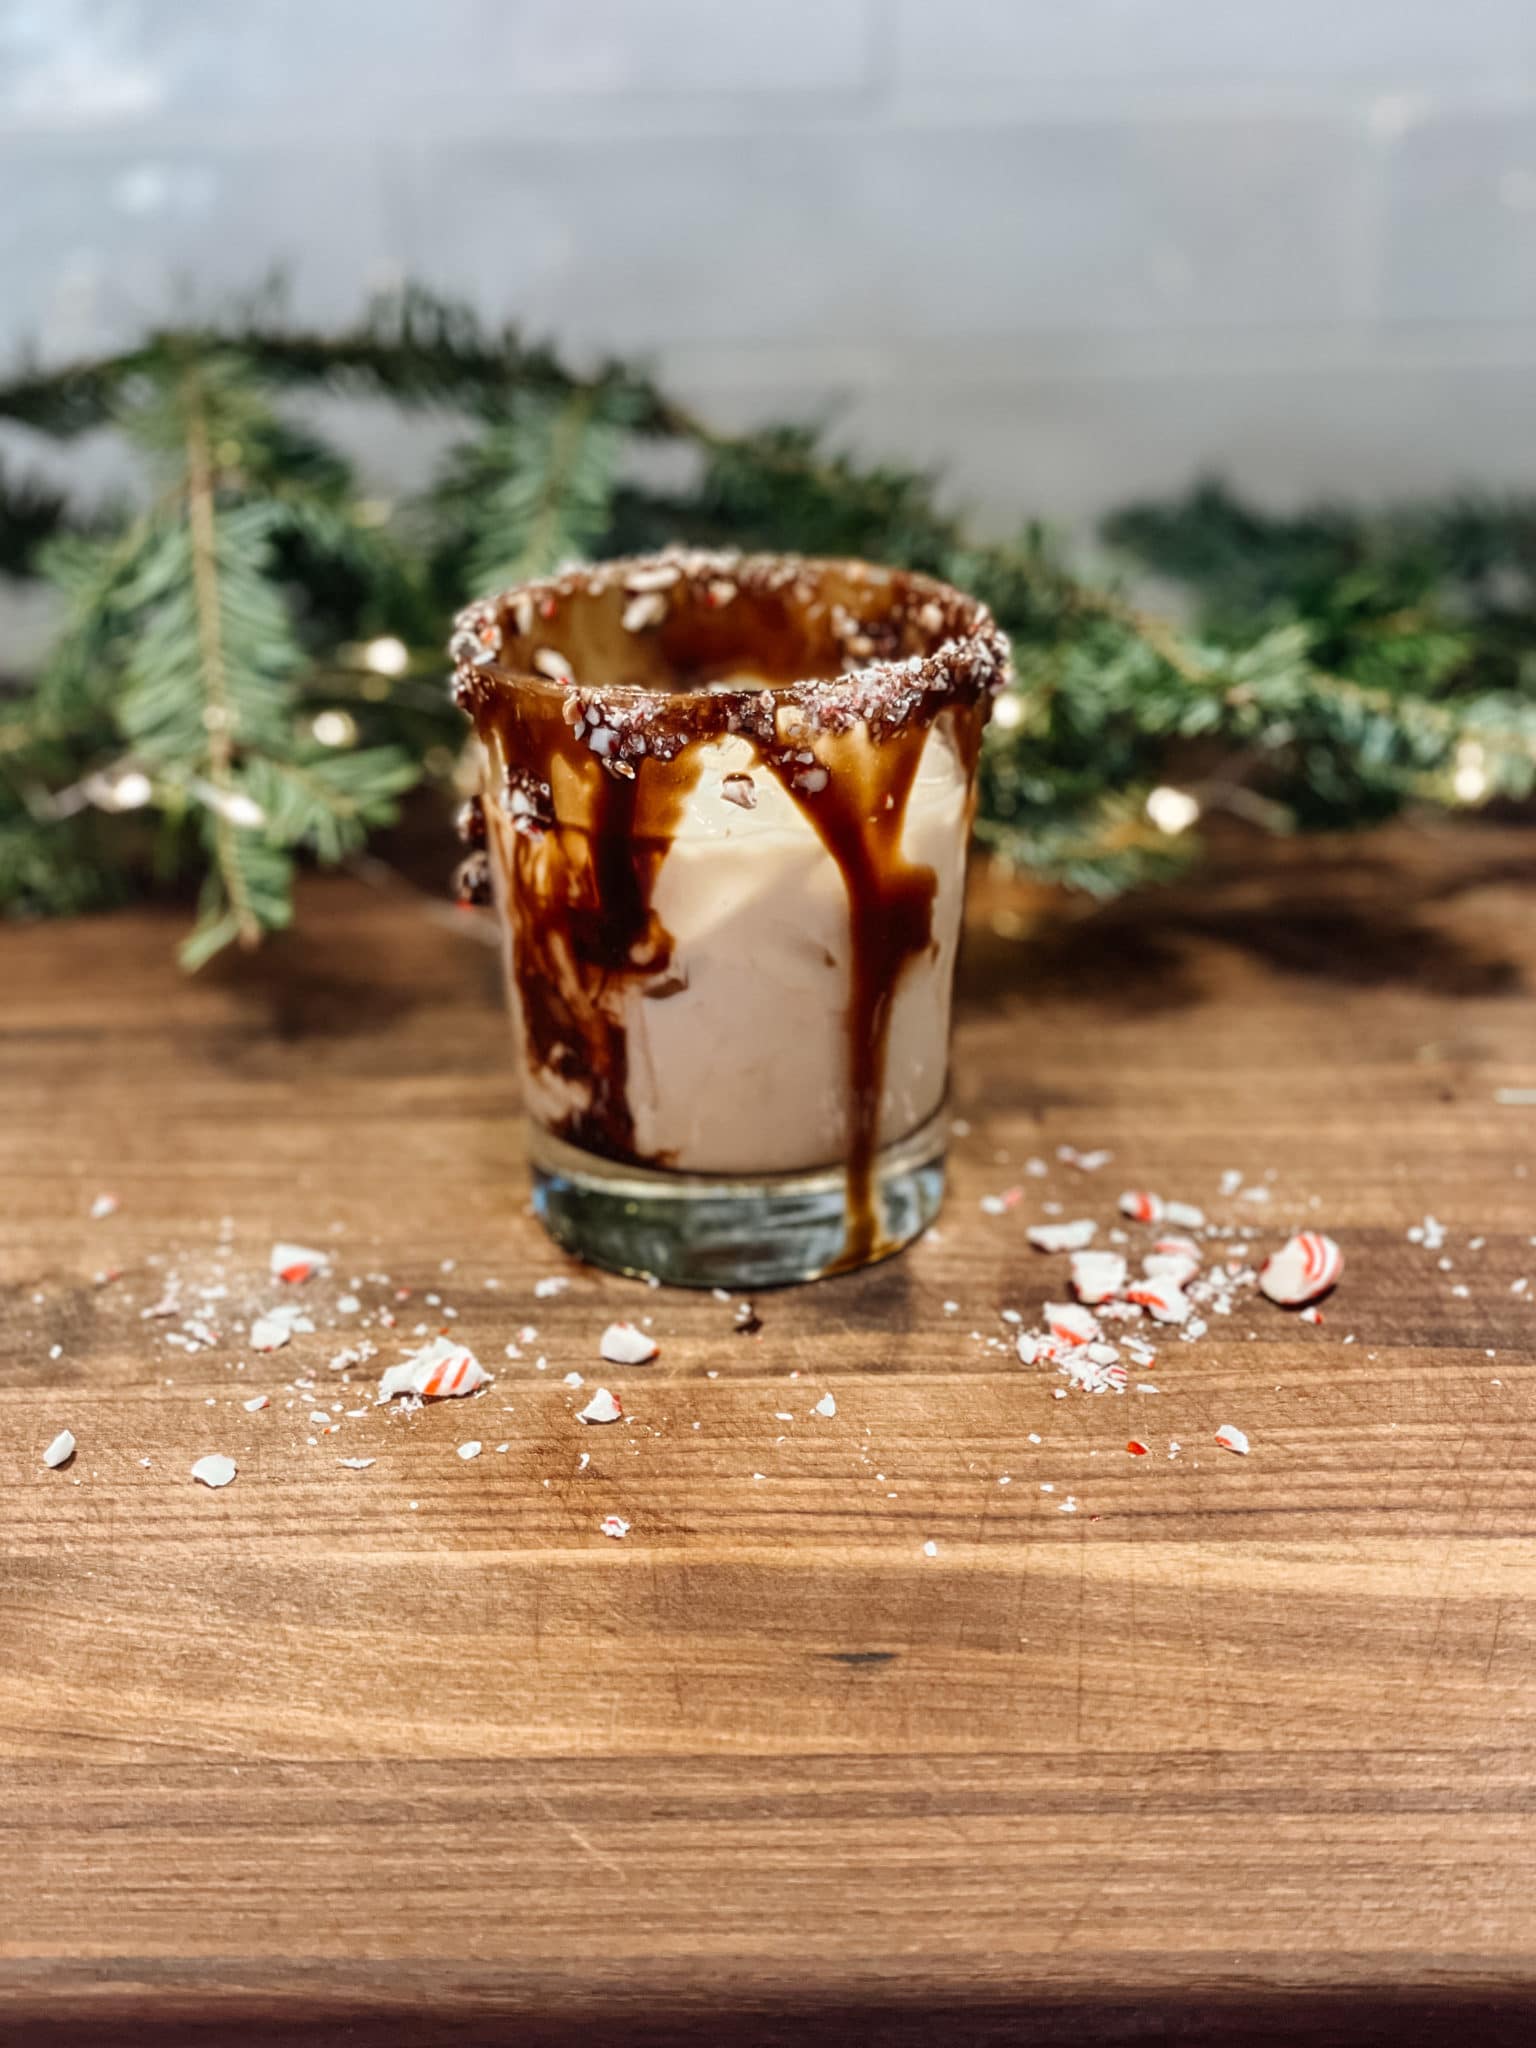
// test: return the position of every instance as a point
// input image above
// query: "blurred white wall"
(1070, 249)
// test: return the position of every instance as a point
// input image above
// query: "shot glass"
(726, 805)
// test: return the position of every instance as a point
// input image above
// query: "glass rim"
(969, 657)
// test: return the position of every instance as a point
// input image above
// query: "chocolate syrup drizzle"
(595, 693)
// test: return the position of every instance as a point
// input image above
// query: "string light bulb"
(387, 656)
(129, 789)
(1172, 810)
(334, 728)
(1469, 780)
(231, 804)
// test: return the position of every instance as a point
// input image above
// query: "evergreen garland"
(249, 668)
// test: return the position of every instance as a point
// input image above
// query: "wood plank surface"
(1239, 1748)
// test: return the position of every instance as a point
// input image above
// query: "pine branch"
(182, 646)
(1341, 665)
(328, 801)
(535, 488)
(248, 887)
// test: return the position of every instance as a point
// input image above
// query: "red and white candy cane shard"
(1177, 1248)
(1070, 1323)
(1175, 1266)
(1096, 1368)
(1141, 1208)
(1061, 1237)
(1231, 1438)
(293, 1263)
(1097, 1276)
(1163, 1300)
(456, 1375)
(440, 1371)
(1119, 1312)
(1303, 1269)
(623, 1344)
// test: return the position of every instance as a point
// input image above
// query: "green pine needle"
(1340, 665)
(535, 488)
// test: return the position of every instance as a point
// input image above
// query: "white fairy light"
(334, 728)
(1008, 712)
(1172, 810)
(112, 789)
(1470, 779)
(231, 804)
(387, 656)
(131, 791)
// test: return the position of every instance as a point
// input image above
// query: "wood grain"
(1244, 1748)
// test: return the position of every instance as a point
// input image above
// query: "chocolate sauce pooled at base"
(602, 698)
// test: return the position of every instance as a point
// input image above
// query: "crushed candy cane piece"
(1061, 1237)
(1170, 1266)
(472, 1449)
(1174, 1258)
(1070, 1322)
(1096, 1368)
(1232, 1439)
(270, 1332)
(214, 1470)
(603, 1407)
(623, 1344)
(930, 1548)
(1032, 1349)
(256, 1403)
(1137, 1450)
(545, 1290)
(295, 1262)
(1085, 1162)
(103, 1206)
(1163, 1300)
(1304, 1268)
(1184, 1214)
(614, 1526)
(357, 1464)
(441, 1370)
(60, 1451)
(1177, 1248)
(1141, 1208)
(825, 1406)
(1097, 1276)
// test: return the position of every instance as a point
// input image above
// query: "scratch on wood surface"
(583, 1842)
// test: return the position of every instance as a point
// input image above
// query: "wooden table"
(1242, 1748)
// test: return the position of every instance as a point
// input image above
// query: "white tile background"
(1067, 249)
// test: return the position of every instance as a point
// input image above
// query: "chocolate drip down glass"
(726, 807)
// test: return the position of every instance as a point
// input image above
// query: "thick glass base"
(703, 1230)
